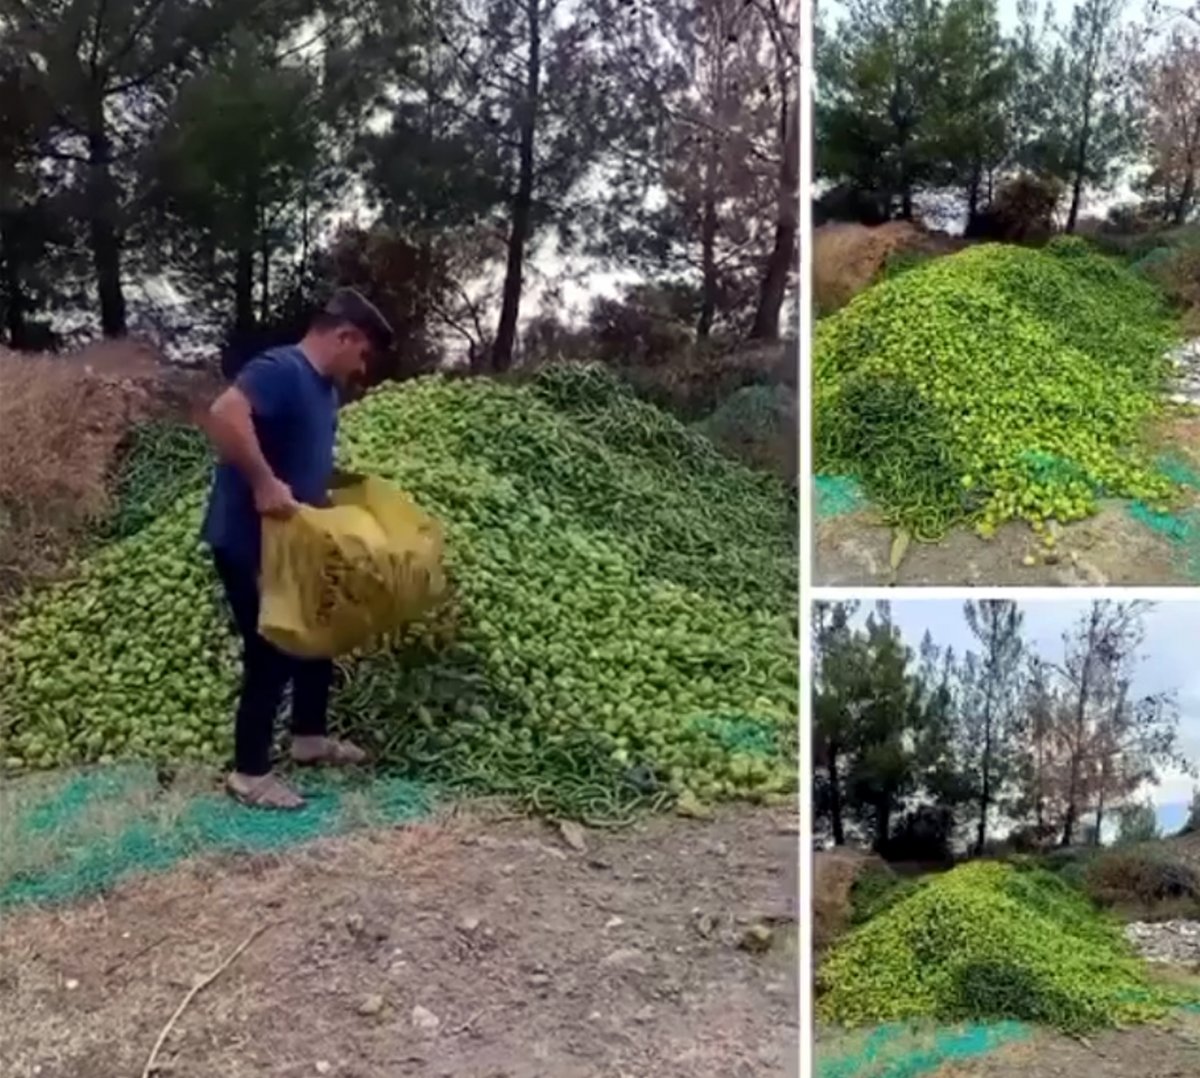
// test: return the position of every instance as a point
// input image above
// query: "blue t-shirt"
(294, 410)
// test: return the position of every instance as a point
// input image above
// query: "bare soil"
(1108, 549)
(530, 958)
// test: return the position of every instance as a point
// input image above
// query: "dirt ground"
(1168, 1051)
(1108, 549)
(466, 947)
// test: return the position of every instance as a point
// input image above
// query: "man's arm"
(230, 428)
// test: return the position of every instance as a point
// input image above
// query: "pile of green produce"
(984, 942)
(622, 631)
(999, 383)
(158, 462)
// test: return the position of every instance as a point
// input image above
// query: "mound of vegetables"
(999, 383)
(621, 633)
(984, 942)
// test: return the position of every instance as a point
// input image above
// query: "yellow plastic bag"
(335, 578)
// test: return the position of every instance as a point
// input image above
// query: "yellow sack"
(337, 577)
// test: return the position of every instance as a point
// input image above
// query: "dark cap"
(348, 305)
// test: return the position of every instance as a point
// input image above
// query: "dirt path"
(1108, 549)
(1169, 1051)
(528, 957)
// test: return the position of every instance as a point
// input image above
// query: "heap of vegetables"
(1000, 383)
(622, 630)
(985, 942)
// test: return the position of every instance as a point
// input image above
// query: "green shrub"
(987, 942)
(1070, 865)
(877, 890)
(999, 383)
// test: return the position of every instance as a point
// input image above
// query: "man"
(274, 430)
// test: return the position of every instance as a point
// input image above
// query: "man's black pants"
(266, 673)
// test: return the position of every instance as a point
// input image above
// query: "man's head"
(346, 336)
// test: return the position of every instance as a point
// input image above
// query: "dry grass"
(62, 422)
(848, 258)
(834, 875)
(699, 379)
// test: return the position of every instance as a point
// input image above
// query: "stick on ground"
(193, 992)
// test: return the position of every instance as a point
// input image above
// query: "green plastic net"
(905, 1051)
(836, 495)
(1182, 528)
(67, 838)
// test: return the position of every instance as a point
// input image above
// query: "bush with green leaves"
(623, 629)
(876, 890)
(999, 383)
(984, 942)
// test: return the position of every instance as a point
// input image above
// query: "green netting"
(837, 495)
(1049, 468)
(740, 733)
(75, 837)
(905, 1051)
(1153, 259)
(1178, 527)
(1179, 470)
(1181, 528)
(751, 411)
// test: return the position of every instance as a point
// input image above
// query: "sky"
(1005, 9)
(1171, 662)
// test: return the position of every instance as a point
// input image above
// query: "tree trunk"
(244, 258)
(708, 250)
(1085, 134)
(264, 308)
(1039, 805)
(522, 203)
(103, 232)
(883, 824)
(1076, 198)
(974, 189)
(1099, 814)
(985, 790)
(783, 254)
(835, 799)
(1183, 204)
(243, 289)
(12, 287)
(1072, 812)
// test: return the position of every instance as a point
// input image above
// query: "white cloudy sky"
(1171, 657)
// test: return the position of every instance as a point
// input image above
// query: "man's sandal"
(327, 752)
(263, 791)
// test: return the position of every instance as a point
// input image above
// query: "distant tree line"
(219, 144)
(931, 95)
(920, 751)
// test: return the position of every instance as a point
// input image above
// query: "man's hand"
(274, 498)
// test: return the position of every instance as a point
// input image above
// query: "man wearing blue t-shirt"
(274, 430)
